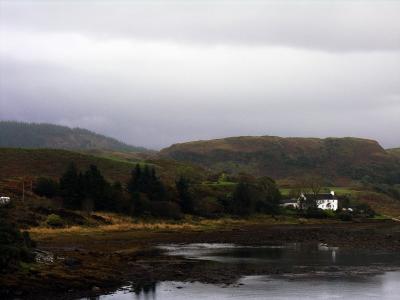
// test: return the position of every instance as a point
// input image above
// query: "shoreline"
(97, 263)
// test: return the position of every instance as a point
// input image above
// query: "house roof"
(288, 201)
(321, 196)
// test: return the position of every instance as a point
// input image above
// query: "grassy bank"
(118, 223)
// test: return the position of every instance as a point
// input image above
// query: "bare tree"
(315, 184)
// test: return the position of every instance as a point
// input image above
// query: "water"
(320, 272)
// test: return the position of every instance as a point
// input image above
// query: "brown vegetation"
(338, 160)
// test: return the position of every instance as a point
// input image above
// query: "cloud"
(158, 74)
(326, 25)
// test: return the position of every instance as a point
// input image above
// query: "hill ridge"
(349, 158)
(15, 134)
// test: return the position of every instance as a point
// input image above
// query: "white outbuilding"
(4, 200)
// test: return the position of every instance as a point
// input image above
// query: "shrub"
(315, 213)
(54, 220)
(345, 216)
(46, 187)
(364, 210)
(330, 213)
(15, 247)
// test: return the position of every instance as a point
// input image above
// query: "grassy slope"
(52, 163)
(340, 160)
(17, 163)
(340, 191)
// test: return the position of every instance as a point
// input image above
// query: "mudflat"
(77, 264)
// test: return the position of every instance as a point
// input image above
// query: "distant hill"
(340, 160)
(35, 135)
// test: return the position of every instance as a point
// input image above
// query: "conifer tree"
(185, 198)
(71, 188)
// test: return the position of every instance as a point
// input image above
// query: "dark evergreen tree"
(269, 196)
(185, 198)
(146, 181)
(242, 199)
(134, 183)
(71, 188)
(97, 189)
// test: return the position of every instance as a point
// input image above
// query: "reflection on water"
(384, 287)
(284, 255)
(318, 285)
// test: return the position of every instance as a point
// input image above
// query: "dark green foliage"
(315, 213)
(15, 247)
(185, 198)
(269, 196)
(344, 201)
(345, 216)
(144, 180)
(54, 220)
(209, 207)
(97, 190)
(243, 200)
(363, 210)
(33, 135)
(123, 203)
(71, 188)
(261, 196)
(91, 191)
(150, 196)
(46, 187)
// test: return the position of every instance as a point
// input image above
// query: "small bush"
(54, 220)
(345, 216)
(330, 213)
(315, 213)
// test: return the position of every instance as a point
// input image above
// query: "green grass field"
(340, 191)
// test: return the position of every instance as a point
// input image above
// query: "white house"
(4, 200)
(323, 201)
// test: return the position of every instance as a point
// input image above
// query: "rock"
(95, 289)
(72, 262)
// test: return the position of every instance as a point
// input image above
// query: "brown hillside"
(31, 163)
(282, 158)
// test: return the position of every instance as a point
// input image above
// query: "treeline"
(145, 194)
(42, 135)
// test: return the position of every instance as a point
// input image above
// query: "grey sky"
(155, 73)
